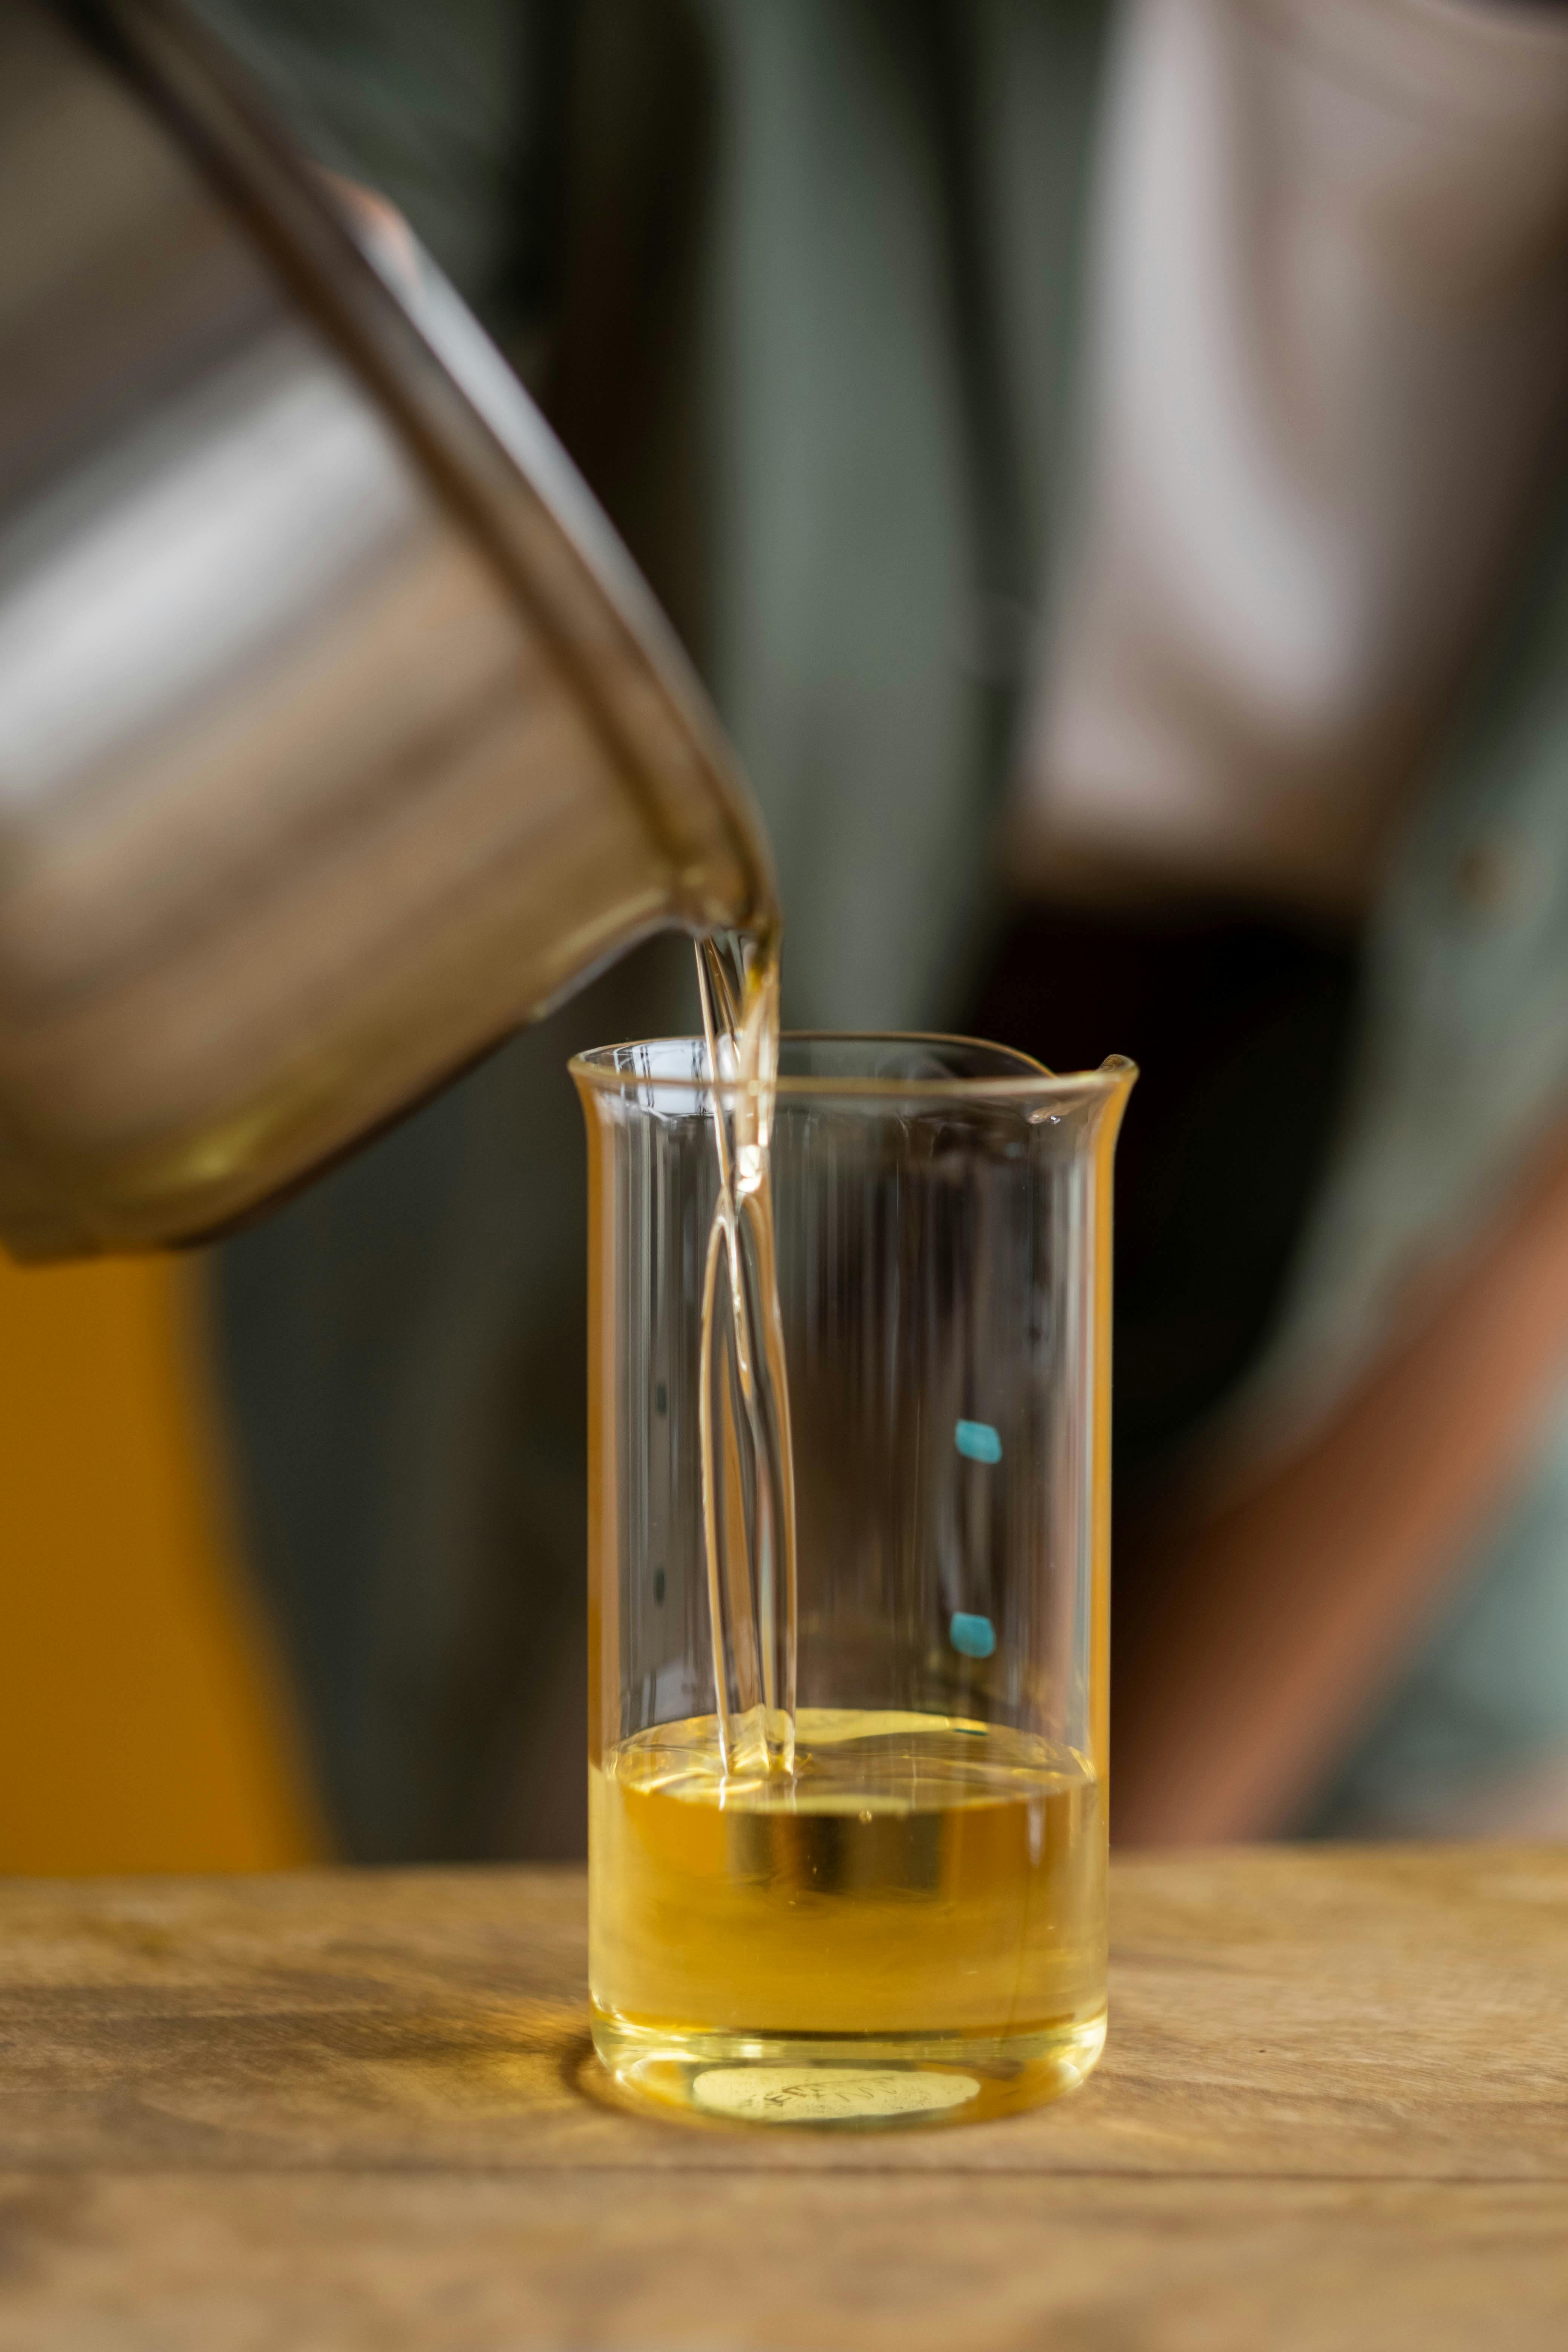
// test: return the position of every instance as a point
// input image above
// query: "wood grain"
(348, 2263)
(360, 2110)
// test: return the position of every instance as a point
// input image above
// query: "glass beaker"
(909, 1926)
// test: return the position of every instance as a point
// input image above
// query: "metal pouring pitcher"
(338, 734)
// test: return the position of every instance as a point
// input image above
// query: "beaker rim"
(1022, 1079)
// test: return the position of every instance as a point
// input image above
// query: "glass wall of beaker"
(909, 1923)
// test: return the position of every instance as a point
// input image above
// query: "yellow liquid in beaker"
(911, 1927)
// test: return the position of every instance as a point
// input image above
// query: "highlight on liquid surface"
(921, 1893)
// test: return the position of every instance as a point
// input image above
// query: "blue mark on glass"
(973, 1637)
(977, 1441)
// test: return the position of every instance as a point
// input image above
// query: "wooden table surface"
(349, 2111)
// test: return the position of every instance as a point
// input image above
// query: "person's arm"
(1283, 1614)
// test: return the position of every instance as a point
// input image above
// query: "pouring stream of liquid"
(747, 1458)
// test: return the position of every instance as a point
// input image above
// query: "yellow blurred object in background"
(143, 1723)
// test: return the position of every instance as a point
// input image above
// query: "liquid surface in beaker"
(916, 1880)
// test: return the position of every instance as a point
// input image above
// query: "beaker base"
(849, 2082)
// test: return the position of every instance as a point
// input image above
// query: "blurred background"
(1109, 463)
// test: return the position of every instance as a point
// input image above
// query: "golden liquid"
(919, 1894)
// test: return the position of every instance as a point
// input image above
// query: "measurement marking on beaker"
(971, 1637)
(977, 1441)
